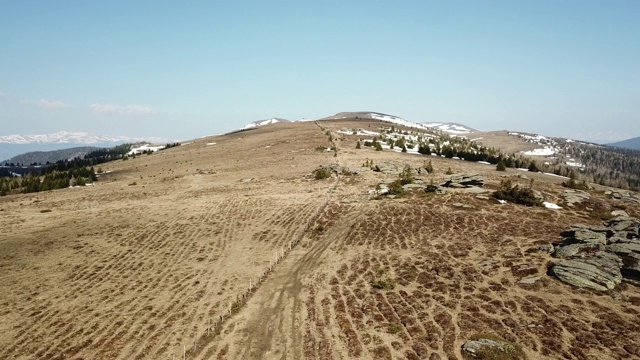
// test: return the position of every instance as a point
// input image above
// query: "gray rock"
(474, 348)
(573, 197)
(589, 237)
(596, 275)
(389, 167)
(546, 248)
(621, 223)
(568, 251)
(619, 213)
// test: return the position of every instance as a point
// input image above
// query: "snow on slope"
(264, 122)
(145, 147)
(451, 128)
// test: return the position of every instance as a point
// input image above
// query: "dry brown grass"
(122, 272)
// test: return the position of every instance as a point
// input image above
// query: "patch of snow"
(476, 139)
(541, 152)
(574, 163)
(551, 174)
(502, 201)
(484, 162)
(549, 205)
(522, 169)
(143, 148)
(211, 143)
(261, 123)
(359, 132)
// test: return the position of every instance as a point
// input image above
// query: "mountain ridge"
(633, 143)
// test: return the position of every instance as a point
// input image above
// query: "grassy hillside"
(228, 247)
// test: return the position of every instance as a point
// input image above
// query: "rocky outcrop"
(389, 167)
(599, 257)
(463, 181)
(572, 197)
(492, 349)
(623, 195)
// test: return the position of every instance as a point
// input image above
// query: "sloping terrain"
(175, 254)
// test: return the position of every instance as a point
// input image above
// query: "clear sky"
(185, 69)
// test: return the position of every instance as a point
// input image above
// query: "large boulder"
(601, 274)
(599, 257)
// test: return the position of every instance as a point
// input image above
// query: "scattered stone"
(525, 270)
(599, 257)
(246, 180)
(492, 349)
(206, 171)
(463, 181)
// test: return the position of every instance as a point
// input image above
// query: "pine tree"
(501, 166)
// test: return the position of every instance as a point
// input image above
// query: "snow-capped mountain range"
(64, 137)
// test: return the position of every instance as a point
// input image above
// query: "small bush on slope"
(515, 194)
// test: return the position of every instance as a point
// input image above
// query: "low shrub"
(516, 194)
(383, 284)
(321, 173)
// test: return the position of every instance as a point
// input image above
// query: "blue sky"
(181, 70)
